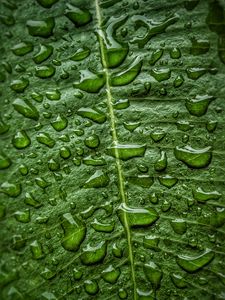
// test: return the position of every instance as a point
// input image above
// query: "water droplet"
(90, 82)
(47, 4)
(198, 106)
(121, 104)
(44, 71)
(178, 81)
(92, 114)
(168, 181)
(161, 74)
(94, 254)
(123, 294)
(60, 123)
(91, 161)
(5, 162)
(192, 264)
(36, 250)
(175, 53)
(25, 108)
(153, 28)
(131, 126)
(211, 126)
(195, 73)
(194, 158)
(137, 217)
(126, 151)
(80, 54)
(11, 189)
(30, 200)
(79, 17)
(91, 287)
(43, 53)
(161, 163)
(92, 141)
(45, 139)
(42, 28)
(111, 274)
(97, 180)
(157, 134)
(21, 140)
(179, 226)
(22, 48)
(102, 227)
(156, 55)
(154, 274)
(114, 52)
(199, 46)
(151, 242)
(201, 196)
(77, 274)
(23, 216)
(65, 152)
(144, 181)
(74, 232)
(19, 85)
(178, 281)
(127, 74)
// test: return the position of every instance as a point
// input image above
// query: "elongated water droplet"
(194, 158)
(22, 48)
(90, 82)
(102, 227)
(161, 74)
(154, 274)
(193, 264)
(11, 189)
(201, 196)
(137, 217)
(45, 139)
(156, 55)
(42, 28)
(92, 114)
(127, 151)
(74, 232)
(44, 71)
(198, 105)
(168, 181)
(127, 74)
(144, 180)
(161, 163)
(97, 180)
(114, 52)
(25, 108)
(19, 85)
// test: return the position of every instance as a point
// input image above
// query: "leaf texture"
(112, 149)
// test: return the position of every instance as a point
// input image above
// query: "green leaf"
(112, 149)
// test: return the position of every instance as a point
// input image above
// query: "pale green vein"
(115, 141)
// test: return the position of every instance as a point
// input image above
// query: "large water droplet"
(78, 16)
(193, 264)
(94, 254)
(198, 105)
(74, 232)
(42, 28)
(194, 158)
(25, 108)
(21, 140)
(126, 151)
(90, 82)
(137, 217)
(97, 180)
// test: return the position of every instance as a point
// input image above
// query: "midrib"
(115, 141)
